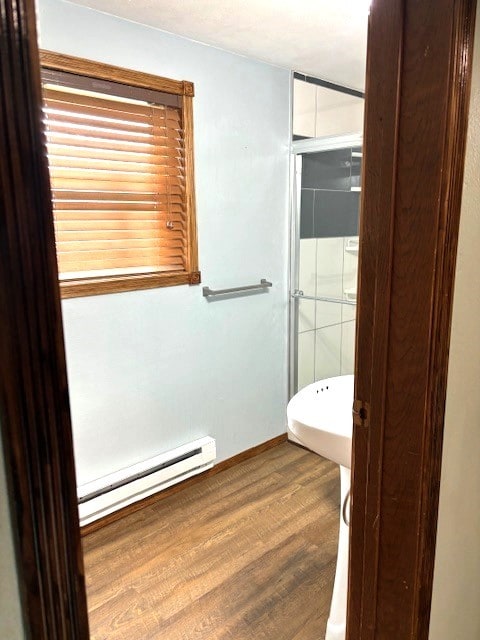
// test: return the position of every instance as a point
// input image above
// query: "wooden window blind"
(122, 189)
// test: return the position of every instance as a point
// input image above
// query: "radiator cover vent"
(100, 497)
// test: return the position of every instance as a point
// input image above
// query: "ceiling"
(323, 38)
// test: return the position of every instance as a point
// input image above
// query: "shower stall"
(326, 184)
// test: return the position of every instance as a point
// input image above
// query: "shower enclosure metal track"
(301, 296)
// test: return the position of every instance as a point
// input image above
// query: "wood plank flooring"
(246, 554)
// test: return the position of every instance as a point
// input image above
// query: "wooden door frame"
(34, 403)
(417, 97)
(419, 65)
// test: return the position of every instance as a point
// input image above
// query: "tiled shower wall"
(326, 330)
(328, 263)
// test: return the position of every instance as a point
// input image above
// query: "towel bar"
(263, 284)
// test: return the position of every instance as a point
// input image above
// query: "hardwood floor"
(246, 554)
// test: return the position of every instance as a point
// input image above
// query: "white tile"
(327, 352)
(306, 358)
(349, 312)
(306, 315)
(307, 266)
(348, 348)
(328, 313)
(304, 108)
(330, 267)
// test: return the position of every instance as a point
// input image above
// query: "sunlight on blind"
(117, 170)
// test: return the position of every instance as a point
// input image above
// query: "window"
(120, 153)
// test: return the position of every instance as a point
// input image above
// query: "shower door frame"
(298, 149)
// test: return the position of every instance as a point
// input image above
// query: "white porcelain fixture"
(320, 418)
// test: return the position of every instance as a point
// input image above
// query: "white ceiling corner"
(322, 38)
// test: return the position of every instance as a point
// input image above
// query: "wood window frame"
(128, 282)
(34, 411)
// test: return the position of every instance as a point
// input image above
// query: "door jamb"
(419, 64)
(34, 404)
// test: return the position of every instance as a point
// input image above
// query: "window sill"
(117, 284)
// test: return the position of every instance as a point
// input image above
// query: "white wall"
(150, 370)
(456, 588)
(11, 626)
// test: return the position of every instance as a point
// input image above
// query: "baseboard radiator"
(117, 490)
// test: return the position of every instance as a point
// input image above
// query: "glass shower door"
(324, 261)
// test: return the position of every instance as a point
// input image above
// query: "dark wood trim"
(192, 235)
(34, 406)
(455, 141)
(83, 67)
(161, 495)
(119, 284)
(418, 81)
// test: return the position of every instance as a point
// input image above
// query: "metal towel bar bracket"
(263, 284)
